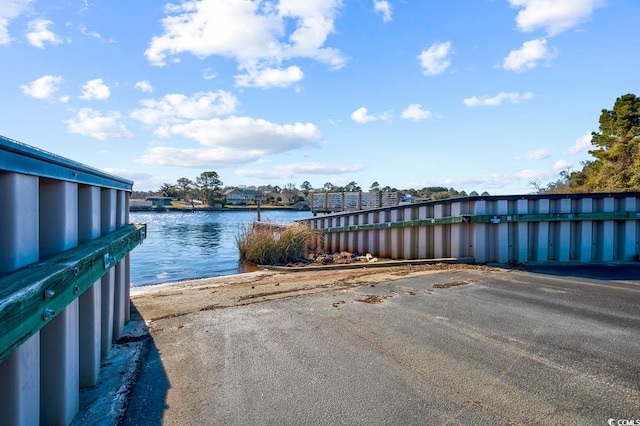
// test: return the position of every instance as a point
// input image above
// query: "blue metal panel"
(17, 157)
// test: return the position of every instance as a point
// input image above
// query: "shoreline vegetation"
(274, 244)
(291, 246)
(181, 206)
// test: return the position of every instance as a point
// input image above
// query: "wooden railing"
(64, 280)
(330, 202)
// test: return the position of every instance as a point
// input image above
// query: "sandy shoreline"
(174, 299)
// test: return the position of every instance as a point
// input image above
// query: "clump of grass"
(271, 245)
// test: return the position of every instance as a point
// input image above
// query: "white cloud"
(498, 99)
(175, 108)
(144, 85)
(528, 56)
(582, 144)
(93, 34)
(435, 59)
(89, 122)
(270, 77)
(256, 34)
(415, 112)
(9, 10)
(249, 133)
(38, 33)
(197, 158)
(84, 31)
(95, 89)
(538, 154)
(500, 180)
(383, 7)
(63, 99)
(43, 88)
(554, 16)
(128, 174)
(291, 170)
(561, 165)
(208, 74)
(361, 115)
(231, 141)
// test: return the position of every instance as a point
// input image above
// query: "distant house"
(158, 203)
(241, 196)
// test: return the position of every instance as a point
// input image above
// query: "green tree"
(329, 187)
(616, 166)
(306, 187)
(352, 187)
(375, 187)
(168, 190)
(186, 186)
(210, 187)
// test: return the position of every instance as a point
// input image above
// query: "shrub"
(276, 245)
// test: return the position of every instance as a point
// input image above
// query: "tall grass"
(265, 245)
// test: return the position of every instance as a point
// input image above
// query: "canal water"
(182, 245)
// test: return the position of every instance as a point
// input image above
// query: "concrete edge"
(106, 402)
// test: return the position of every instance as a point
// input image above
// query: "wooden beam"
(32, 296)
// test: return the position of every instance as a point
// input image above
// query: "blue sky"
(479, 95)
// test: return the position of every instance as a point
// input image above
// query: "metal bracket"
(108, 260)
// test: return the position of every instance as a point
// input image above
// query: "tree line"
(208, 187)
(616, 154)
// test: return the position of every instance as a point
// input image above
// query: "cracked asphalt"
(405, 345)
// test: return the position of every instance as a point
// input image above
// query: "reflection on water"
(185, 245)
(244, 266)
(199, 235)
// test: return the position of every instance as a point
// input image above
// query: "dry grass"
(276, 245)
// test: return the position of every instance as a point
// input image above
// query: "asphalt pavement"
(549, 346)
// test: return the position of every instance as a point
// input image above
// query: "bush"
(276, 245)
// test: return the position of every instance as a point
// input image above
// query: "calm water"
(183, 246)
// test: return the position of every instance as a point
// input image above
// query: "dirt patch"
(451, 284)
(270, 293)
(181, 298)
(373, 299)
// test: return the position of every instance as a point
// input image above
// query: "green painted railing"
(489, 219)
(31, 297)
